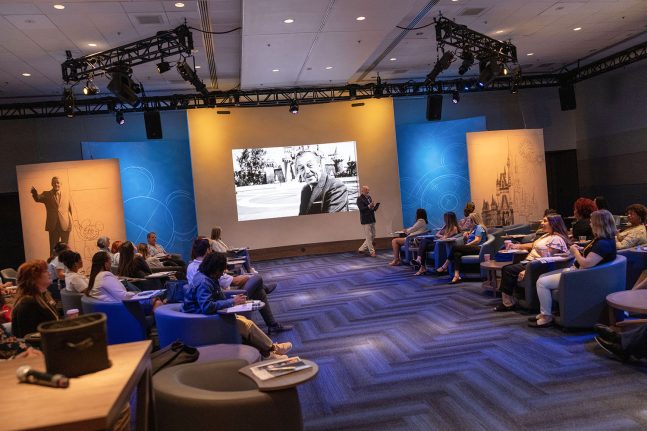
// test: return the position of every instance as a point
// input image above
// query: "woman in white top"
(219, 246)
(420, 226)
(635, 234)
(74, 282)
(103, 284)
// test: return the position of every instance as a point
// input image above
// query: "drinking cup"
(72, 313)
(508, 244)
(486, 257)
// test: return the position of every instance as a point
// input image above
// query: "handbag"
(175, 353)
(74, 347)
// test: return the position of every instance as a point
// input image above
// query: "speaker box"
(153, 124)
(567, 97)
(434, 107)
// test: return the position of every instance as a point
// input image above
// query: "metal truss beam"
(609, 63)
(482, 46)
(164, 44)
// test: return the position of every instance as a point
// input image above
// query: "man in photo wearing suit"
(59, 212)
(322, 193)
(367, 210)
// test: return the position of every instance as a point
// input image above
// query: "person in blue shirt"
(204, 295)
(473, 241)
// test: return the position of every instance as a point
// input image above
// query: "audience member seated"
(103, 284)
(34, 305)
(54, 266)
(204, 295)
(156, 250)
(601, 203)
(152, 262)
(130, 264)
(103, 243)
(602, 249)
(426, 245)
(14, 348)
(466, 224)
(419, 227)
(114, 255)
(218, 245)
(624, 345)
(251, 284)
(635, 234)
(582, 210)
(554, 240)
(74, 282)
(472, 240)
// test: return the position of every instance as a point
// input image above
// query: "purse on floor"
(174, 354)
(74, 347)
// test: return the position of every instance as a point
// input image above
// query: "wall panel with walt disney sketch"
(508, 175)
(93, 190)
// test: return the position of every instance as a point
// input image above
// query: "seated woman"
(635, 234)
(554, 240)
(114, 249)
(152, 262)
(466, 224)
(103, 284)
(74, 282)
(204, 295)
(602, 249)
(420, 226)
(219, 246)
(426, 245)
(472, 240)
(34, 305)
(582, 210)
(131, 265)
(15, 348)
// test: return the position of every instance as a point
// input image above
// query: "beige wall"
(213, 136)
(520, 155)
(94, 187)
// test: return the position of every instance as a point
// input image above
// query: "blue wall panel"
(157, 187)
(432, 161)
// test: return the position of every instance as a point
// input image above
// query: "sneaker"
(253, 271)
(277, 327)
(273, 356)
(282, 348)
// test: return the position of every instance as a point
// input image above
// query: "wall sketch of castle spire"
(510, 200)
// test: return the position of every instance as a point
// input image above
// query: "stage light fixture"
(123, 87)
(163, 66)
(68, 102)
(378, 90)
(119, 118)
(442, 64)
(190, 76)
(468, 61)
(488, 70)
(294, 107)
(90, 89)
(456, 96)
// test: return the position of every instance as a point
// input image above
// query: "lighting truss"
(164, 44)
(461, 37)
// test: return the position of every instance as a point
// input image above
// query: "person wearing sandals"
(602, 249)
(426, 245)
(553, 240)
(420, 226)
(472, 240)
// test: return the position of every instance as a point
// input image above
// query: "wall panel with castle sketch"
(508, 175)
(84, 205)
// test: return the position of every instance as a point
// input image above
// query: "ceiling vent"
(149, 19)
(472, 11)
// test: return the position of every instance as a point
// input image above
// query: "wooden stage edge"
(315, 249)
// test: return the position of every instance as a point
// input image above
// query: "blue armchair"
(194, 329)
(526, 291)
(636, 263)
(475, 260)
(582, 293)
(123, 325)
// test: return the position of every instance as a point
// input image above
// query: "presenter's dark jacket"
(328, 196)
(366, 214)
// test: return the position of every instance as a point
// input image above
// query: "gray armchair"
(636, 263)
(526, 291)
(474, 261)
(71, 300)
(582, 293)
(517, 229)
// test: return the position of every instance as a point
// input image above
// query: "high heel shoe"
(441, 270)
(395, 262)
(456, 280)
(421, 271)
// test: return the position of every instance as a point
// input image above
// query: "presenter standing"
(367, 210)
(58, 222)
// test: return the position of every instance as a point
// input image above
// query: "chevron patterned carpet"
(399, 352)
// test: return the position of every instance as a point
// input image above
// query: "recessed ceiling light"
(179, 4)
(577, 29)
(275, 70)
(498, 32)
(26, 74)
(198, 67)
(360, 18)
(288, 21)
(530, 53)
(328, 67)
(59, 6)
(392, 59)
(92, 44)
(454, 0)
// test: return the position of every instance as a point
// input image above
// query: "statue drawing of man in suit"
(59, 212)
